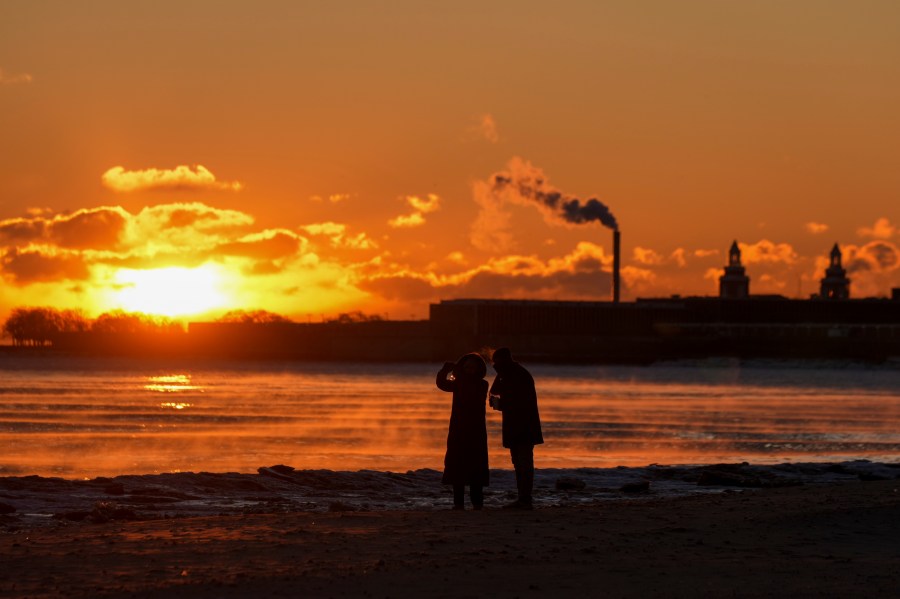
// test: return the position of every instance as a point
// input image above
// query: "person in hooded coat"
(513, 394)
(466, 460)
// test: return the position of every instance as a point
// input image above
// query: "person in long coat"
(466, 460)
(513, 394)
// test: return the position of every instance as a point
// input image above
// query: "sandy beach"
(838, 539)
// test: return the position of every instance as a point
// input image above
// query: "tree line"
(36, 326)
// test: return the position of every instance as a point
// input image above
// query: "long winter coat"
(466, 460)
(518, 403)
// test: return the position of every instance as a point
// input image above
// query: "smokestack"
(615, 274)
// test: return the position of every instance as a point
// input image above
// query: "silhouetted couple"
(513, 394)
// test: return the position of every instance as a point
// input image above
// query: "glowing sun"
(172, 291)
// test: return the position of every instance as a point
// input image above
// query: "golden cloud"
(767, 252)
(334, 198)
(815, 228)
(485, 128)
(407, 221)
(338, 237)
(429, 203)
(421, 205)
(636, 278)
(181, 177)
(191, 225)
(712, 274)
(882, 229)
(8, 79)
(703, 253)
(456, 257)
(647, 256)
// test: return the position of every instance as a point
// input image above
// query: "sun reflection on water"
(171, 383)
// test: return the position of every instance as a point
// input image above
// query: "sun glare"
(173, 291)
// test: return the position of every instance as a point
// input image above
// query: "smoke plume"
(524, 183)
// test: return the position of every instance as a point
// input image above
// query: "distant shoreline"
(39, 353)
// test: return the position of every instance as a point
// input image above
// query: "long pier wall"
(645, 331)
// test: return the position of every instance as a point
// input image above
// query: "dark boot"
(476, 492)
(523, 462)
(459, 497)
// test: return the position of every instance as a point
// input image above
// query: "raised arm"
(496, 391)
(443, 383)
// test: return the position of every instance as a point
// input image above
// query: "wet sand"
(835, 540)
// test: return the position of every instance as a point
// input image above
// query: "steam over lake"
(76, 417)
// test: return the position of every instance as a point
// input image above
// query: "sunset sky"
(311, 158)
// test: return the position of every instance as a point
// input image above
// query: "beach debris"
(74, 515)
(5, 508)
(282, 469)
(104, 511)
(279, 471)
(866, 470)
(638, 486)
(743, 475)
(114, 489)
(570, 483)
(180, 494)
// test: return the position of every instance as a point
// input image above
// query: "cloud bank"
(180, 178)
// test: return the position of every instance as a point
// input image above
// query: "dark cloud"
(34, 267)
(278, 245)
(95, 229)
(876, 256)
(22, 231)
(161, 259)
(402, 288)
(181, 217)
(193, 215)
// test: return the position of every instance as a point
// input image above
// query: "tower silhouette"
(835, 284)
(734, 284)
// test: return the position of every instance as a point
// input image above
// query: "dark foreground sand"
(837, 540)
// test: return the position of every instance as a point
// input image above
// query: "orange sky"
(311, 158)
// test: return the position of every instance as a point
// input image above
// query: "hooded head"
(501, 358)
(470, 366)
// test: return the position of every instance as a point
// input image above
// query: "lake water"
(76, 417)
